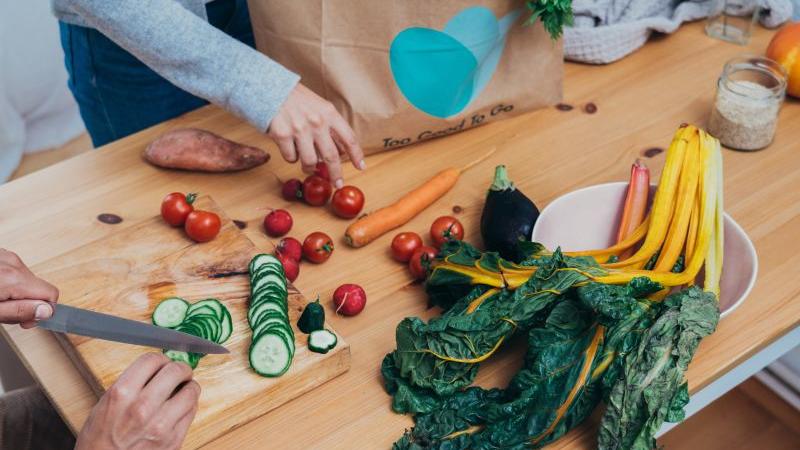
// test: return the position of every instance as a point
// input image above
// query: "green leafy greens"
(587, 343)
(554, 14)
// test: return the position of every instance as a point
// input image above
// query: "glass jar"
(750, 92)
(732, 20)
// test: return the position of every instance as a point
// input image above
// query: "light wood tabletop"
(640, 101)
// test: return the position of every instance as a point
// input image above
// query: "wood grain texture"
(640, 101)
(129, 272)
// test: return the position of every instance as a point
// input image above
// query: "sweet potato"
(200, 150)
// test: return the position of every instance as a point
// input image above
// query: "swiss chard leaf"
(651, 386)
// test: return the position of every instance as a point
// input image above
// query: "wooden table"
(640, 102)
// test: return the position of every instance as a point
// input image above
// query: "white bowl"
(588, 218)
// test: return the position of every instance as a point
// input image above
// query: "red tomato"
(292, 190)
(316, 190)
(202, 226)
(446, 228)
(175, 207)
(291, 266)
(321, 170)
(420, 261)
(347, 202)
(349, 299)
(290, 247)
(317, 247)
(404, 244)
(278, 222)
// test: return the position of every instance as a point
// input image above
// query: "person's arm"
(206, 62)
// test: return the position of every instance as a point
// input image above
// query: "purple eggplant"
(508, 217)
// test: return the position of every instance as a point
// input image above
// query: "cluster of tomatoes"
(316, 189)
(316, 248)
(407, 247)
(200, 226)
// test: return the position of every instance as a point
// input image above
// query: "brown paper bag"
(404, 71)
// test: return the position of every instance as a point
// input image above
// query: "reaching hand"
(23, 297)
(150, 406)
(308, 127)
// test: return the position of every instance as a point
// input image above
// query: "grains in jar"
(750, 92)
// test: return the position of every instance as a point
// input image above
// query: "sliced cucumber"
(209, 303)
(227, 326)
(321, 341)
(208, 319)
(270, 355)
(190, 359)
(170, 312)
(269, 279)
(261, 260)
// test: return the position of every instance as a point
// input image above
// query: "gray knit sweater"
(174, 38)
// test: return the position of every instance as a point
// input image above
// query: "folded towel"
(606, 30)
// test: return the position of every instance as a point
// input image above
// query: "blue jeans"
(119, 95)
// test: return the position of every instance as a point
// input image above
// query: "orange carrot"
(376, 224)
(372, 226)
(635, 203)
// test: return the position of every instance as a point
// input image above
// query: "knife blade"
(68, 319)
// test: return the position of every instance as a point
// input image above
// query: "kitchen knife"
(68, 319)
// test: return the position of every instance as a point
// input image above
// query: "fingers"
(135, 377)
(164, 383)
(24, 311)
(306, 151)
(183, 403)
(330, 155)
(347, 142)
(17, 282)
(182, 427)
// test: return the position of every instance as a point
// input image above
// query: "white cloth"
(606, 30)
(37, 111)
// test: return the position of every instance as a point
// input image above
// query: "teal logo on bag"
(441, 72)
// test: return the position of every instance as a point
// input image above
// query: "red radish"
(321, 170)
(292, 190)
(290, 247)
(278, 222)
(349, 299)
(291, 267)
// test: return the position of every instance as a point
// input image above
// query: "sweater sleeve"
(193, 55)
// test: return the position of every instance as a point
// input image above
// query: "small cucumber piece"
(321, 341)
(170, 312)
(313, 318)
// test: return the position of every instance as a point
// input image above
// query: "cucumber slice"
(202, 310)
(170, 312)
(263, 259)
(190, 359)
(270, 355)
(321, 341)
(280, 329)
(227, 326)
(211, 303)
(209, 323)
(266, 269)
(263, 307)
(269, 279)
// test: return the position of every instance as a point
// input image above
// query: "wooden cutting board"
(127, 273)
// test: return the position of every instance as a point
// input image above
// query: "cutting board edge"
(338, 362)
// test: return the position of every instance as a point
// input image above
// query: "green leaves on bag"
(554, 14)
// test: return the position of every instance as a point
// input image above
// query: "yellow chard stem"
(708, 191)
(583, 377)
(660, 212)
(687, 190)
(715, 251)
